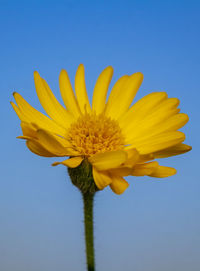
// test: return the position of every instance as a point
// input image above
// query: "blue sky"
(155, 224)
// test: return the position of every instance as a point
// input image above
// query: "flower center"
(92, 134)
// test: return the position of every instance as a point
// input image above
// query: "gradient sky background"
(155, 224)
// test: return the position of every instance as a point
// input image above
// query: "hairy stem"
(89, 237)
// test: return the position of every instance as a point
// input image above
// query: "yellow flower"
(117, 139)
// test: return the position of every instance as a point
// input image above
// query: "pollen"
(92, 134)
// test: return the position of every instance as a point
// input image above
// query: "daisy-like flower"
(112, 137)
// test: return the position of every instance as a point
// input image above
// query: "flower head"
(114, 138)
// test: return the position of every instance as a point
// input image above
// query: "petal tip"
(81, 66)
(186, 117)
(62, 72)
(138, 74)
(55, 164)
(36, 74)
(141, 74)
(119, 187)
(110, 69)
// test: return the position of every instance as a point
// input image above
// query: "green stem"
(89, 238)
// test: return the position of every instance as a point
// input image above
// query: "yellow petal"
(126, 95)
(155, 128)
(115, 92)
(160, 142)
(116, 89)
(49, 142)
(161, 123)
(24, 137)
(101, 179)
(70, 151)
(71, 162)
(118, 185)
(101, 89)
(163, 172)
(18, 112)
(141, 109)
(121, 171)
(144, 169)
(50, 104)
(172, 124)
(145, 158)
(67, 94)
(132, 158)
(31, 115)
(107, 160)
(28, 129)
(150, 124)
(38, 149)
(81, 92)
(175, 150)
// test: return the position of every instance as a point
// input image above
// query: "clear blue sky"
(155, 224)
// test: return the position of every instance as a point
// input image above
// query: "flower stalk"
(82, 178)
(88, 199)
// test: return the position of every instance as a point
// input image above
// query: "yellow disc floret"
(92, 134)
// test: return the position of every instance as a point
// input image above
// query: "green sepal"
(82, 178)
